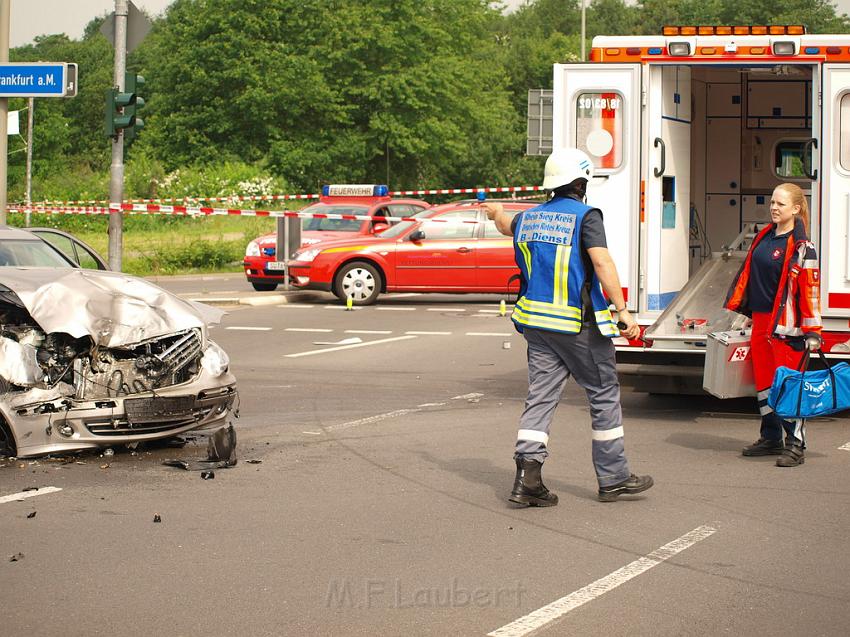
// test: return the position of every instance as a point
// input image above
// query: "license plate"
(276, 265)
(164, 408)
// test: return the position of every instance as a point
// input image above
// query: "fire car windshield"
(336, 225)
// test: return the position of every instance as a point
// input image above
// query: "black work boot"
(528, 485)
(792, 456)
(762, 447)
(631, 485)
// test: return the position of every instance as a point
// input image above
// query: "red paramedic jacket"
(796, 308)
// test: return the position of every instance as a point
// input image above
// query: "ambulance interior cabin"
(749, 129)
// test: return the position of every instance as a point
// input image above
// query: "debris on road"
(29, 489)
(222, 445)
(156, 518)
(207, 475)
(31, 515)
(17, 557)
(253, 461)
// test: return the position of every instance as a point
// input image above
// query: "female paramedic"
(779, 287)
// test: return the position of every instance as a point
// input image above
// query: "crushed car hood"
(114, 309)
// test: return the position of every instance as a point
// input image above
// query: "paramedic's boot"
(762, 447)
(528, 485)
(792, 456)
(633, 484)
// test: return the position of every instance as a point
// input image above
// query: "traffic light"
(133, 84)
(116, 119)
(122, 106)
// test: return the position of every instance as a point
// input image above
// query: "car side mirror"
(378, 228)
(417, 235)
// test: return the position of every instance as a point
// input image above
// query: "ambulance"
(690, 131)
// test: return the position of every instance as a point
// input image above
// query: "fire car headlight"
(305, 255)
(253, 249)
(215, 360)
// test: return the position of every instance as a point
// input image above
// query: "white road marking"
(370, 419)
(342, 307)
(466, 396)
(488, 311)
(336, 349)
(312, 433)
(28, 494)
(401, 296)
(249, 329)
(431, 405)
(308, 329)
(445, 309)
(396, 309)
(297, 306)
(368, 331)
(845, 447)
(429, 333)
(488, 333)
(560, 607)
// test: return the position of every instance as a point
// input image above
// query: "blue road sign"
(42, 79)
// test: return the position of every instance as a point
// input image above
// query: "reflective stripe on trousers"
(589, 357)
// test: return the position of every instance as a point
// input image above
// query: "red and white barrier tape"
(396, 193)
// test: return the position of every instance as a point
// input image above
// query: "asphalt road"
(379, 503)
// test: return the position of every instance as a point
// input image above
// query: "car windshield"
(16, 253)
(398, 229)
(336, 225)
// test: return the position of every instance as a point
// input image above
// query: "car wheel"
(7, 440)
(264, 287)
(360, 281)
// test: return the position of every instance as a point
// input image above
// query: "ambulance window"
(791, 159)
(599, 127)
(844, 125)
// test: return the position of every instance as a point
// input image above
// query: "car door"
(496, 266)
(442, 259)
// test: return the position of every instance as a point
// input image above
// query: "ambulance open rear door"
(597, 109)
(834, 248)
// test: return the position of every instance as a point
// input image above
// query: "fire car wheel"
(360, 281)
(264, 287)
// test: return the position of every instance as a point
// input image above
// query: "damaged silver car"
(93, 359)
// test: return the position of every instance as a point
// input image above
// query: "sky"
(30, 18)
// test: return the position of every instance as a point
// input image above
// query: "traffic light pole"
(116, 169)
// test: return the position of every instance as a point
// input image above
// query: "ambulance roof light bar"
(355, 190)
(791, 29)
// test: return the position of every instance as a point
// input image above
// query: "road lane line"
(342, 307)
(466, 396)
(445, 309)
(324, 330)
(342, 347)
(28, 494)
(371, 419)
(368, 331)
(297, 306)
(488, 334)
(488, 311)
(845, 447)
(396, 309)
(248, 329)
(560, 607)
(429, 333)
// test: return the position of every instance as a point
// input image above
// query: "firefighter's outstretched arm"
(496, 212)
(606, 272)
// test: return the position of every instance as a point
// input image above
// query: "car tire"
(265, 287)
(359, 280)
(7, 440)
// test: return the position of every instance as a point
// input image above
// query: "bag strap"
(803, 367)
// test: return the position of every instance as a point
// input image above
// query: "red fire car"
(370, 200)
(449, 248)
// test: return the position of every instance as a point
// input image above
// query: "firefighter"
(561, 252)
(778, 286)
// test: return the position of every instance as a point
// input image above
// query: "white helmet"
(564, 166)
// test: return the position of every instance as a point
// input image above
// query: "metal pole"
(583, 23)
(30, 118)
(4, 111)
(116, 170)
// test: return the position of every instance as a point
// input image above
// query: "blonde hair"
(798, 199)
